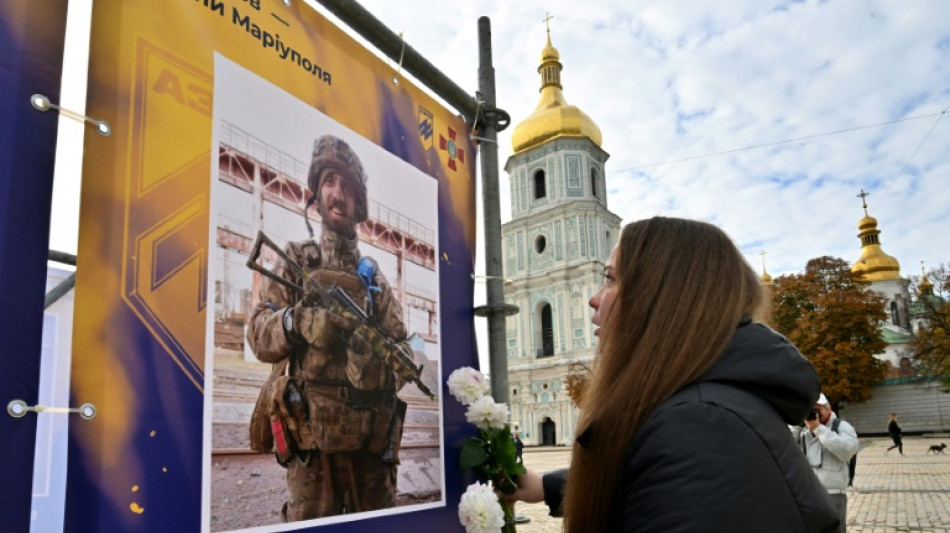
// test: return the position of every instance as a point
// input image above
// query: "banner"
(31, 38)
(237, 122)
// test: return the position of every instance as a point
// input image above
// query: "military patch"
(426, 128)
(454, 151)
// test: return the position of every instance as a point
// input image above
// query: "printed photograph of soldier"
(330, 403)
(326, 349)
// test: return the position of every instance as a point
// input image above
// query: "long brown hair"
(683, 287)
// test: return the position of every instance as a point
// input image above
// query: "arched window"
(895, 315)
(544, 331)
(539, 190)
(593, 182)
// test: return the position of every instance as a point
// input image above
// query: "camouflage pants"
(338, 483)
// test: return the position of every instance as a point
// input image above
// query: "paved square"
(892, 493)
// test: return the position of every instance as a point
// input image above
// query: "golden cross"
(547, 18)
(864, 204)
(762, 253)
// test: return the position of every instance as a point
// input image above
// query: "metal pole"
(64, 286)
(363, 22)
(62, 257)
(60, 290)
(497, 353)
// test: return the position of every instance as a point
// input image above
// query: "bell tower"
(555, 247)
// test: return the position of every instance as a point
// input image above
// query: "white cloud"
(669, 80)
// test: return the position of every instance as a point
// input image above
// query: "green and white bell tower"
(555, 248)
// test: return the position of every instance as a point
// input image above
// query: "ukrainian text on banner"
(239, 122)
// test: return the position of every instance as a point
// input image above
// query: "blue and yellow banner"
(214, 107)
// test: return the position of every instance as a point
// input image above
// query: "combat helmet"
(331, 152)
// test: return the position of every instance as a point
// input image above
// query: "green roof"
(893, 337)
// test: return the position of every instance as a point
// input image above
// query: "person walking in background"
(519, 447)
(895, 431)
(829, 443)
(683, 425)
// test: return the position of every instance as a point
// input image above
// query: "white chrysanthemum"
(479, 510)
(467, 385)
(485, 413)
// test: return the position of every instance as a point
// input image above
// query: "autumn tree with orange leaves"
(931, 344)
(833, 317)
(578, 376)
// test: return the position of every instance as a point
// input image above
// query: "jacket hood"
(764, 362)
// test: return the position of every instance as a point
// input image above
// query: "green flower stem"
(509, 508)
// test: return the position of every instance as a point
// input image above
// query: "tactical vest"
(307, 404)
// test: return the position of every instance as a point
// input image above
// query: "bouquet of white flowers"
(491, 455)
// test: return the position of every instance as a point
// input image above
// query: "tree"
(931, 317)
(578, 376)
(833, 317)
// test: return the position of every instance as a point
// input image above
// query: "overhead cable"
(776, 143)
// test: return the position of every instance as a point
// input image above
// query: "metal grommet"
(17, 408)
(103, 128)
(87, 411)
(40, 102)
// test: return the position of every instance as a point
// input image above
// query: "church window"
(593, 182)
(544, 332)
(539, 184)
(573, 171)
(895, 315)
(540, 243)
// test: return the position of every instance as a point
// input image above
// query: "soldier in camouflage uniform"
(341, 457)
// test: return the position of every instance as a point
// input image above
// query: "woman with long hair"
(894, 429)
(684, 423)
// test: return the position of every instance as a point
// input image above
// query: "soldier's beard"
(345, 227)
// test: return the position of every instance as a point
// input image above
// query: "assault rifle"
(336, 300)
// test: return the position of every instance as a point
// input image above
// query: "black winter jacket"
(717, 455)
(894, 429)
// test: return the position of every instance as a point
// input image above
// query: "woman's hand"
(530, 488)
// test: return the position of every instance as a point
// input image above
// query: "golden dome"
(553, 117)
(926, 287)
(867, 222)
(765, 277)
(874, 264)
(550, 53)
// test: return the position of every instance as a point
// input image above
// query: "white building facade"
(555, 248)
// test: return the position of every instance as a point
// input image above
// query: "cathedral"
(555, 248)
(883, 272)
(558, 241)
(920, 402)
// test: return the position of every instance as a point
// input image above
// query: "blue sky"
(668, 80)
(674, 79)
